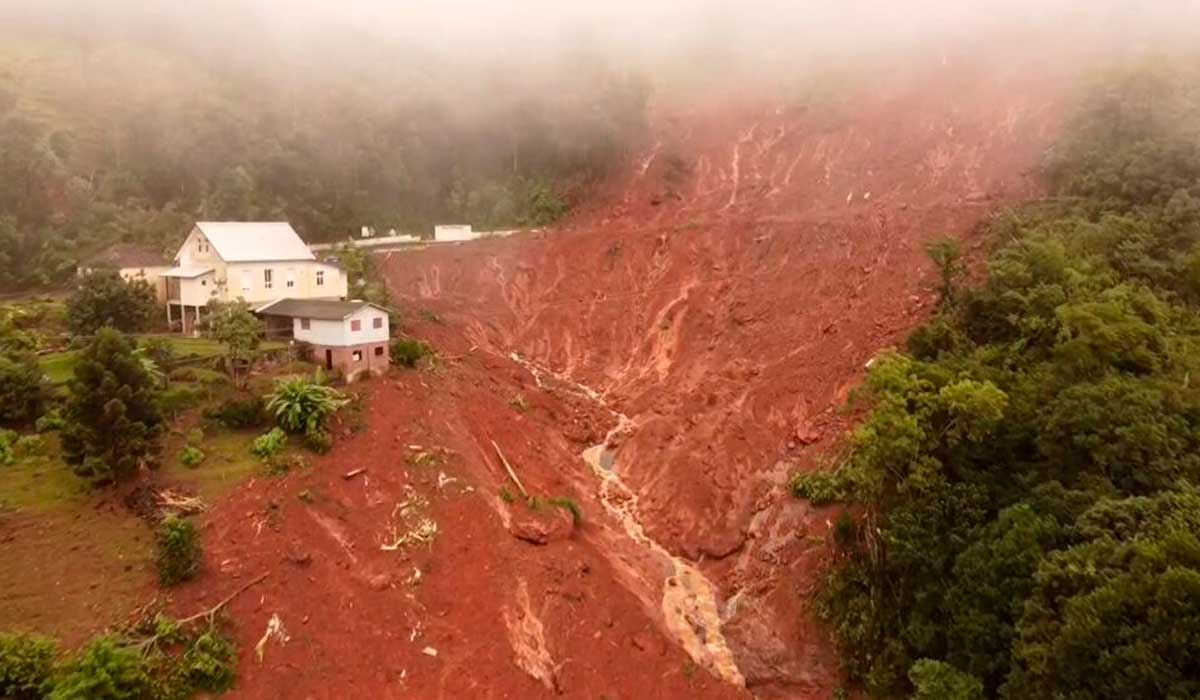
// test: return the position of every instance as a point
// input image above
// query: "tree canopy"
(103, 298)
(112, 418)
(161, 136)
(1028, 469)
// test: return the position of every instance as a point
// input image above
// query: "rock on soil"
(542, 528)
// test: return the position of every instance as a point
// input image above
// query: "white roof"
(255, 241)
(187, 272)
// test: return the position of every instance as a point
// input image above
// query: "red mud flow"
(665, 359)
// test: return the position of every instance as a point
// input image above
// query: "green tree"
(112, 417)
(946, 255)
(236, 327)
(24, 389)
(103, 298)
(936, 680)
(1116, 614)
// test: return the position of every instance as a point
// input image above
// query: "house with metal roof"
(254, 261)
(131, 262)
(350, 337)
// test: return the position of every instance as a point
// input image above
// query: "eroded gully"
(688, 600)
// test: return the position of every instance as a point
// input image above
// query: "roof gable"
(122, 255)
(253, 241)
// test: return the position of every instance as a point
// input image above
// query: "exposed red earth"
(666, 358)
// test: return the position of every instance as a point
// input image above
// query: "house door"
(329, 359)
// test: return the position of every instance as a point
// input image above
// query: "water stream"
(689, 599)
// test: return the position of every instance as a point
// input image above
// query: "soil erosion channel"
(689, 600)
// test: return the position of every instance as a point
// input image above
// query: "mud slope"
(407, 580)
(727, 291)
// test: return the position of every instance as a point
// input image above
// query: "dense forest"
(130, 136)
(1024, 510)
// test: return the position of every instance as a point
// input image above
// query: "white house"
(349, 336)
(254, 261)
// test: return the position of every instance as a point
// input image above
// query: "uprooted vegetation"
(1027, 473)
(157, 657)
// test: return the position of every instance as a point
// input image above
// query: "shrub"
(818, 488)
(571, 507)
(191, 456)
(280, 464)
(407, 352)
(177, 399)
(269, 444)
(301, 405)
(50, 421)
(239, 413)
(105, 670)
(178, 551)
(26, 666)
(24, 390)
(209, 663)
(8, 446)
(319, 441)
(160, 350)
(113, 419)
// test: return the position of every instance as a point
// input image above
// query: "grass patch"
(59, 366)
(227, 463)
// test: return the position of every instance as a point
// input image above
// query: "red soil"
(724, 296)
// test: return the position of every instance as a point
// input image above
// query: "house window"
(291, 279)
(320, 278)
(378, 351)
(358, 355)
(377, 322)
(355, 326)
(267, 278)
(304, 324)
(245, 280)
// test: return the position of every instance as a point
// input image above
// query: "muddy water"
(689, 600)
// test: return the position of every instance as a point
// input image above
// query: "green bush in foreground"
(156, 659)
(178, 551)
(269, 444)
(239, 413)
(407, 352)
(105, 670)
(191, 456)
(302, 405)
(26, 666)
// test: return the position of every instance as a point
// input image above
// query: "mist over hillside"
(124, 121)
